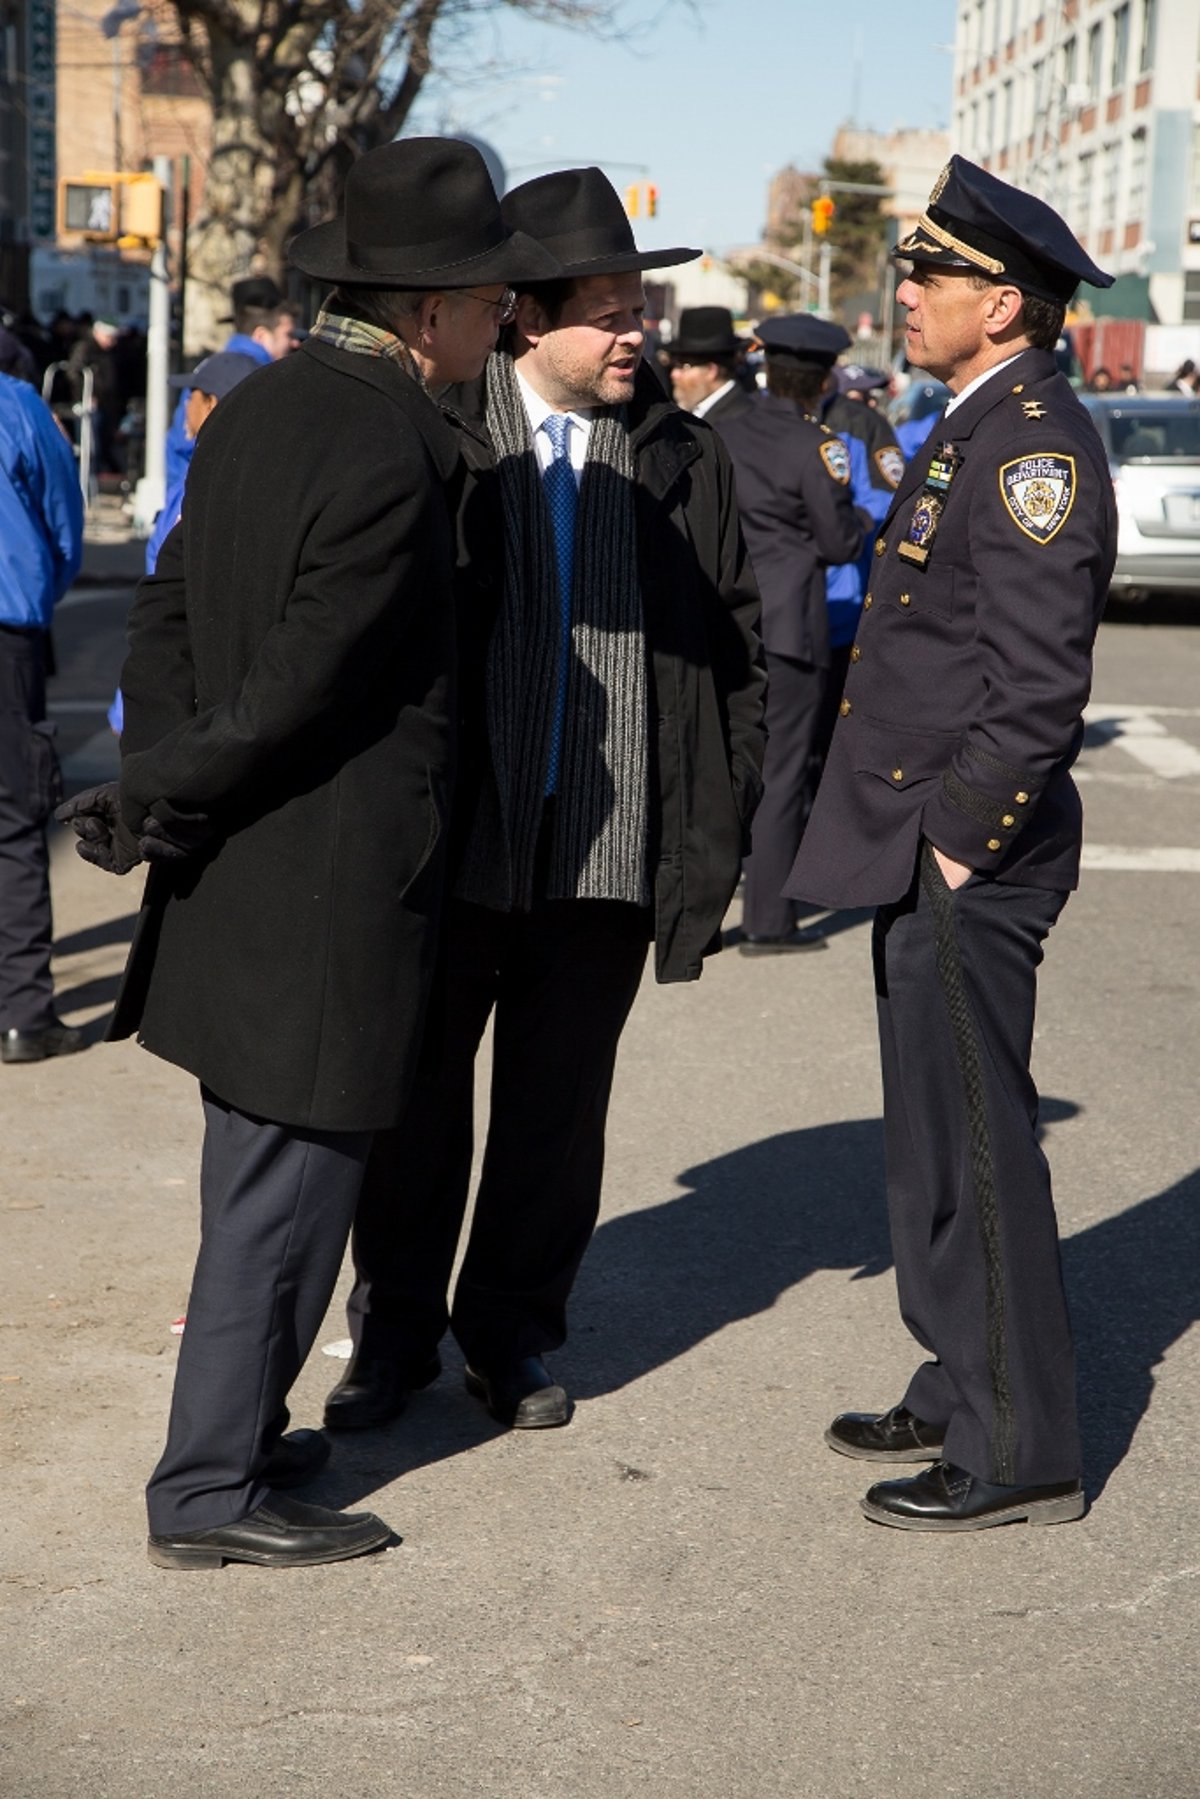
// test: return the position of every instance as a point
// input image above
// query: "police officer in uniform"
(948, 803)
(794, 494)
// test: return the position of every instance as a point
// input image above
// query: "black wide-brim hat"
(976, 221)
(578, 216)
(421, 213)
(705, 331)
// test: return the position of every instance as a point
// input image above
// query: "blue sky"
(710, 101)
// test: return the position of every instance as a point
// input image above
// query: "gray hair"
(382, 306)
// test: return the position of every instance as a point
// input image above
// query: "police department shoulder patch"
(1038, 493)
(890, 463)
(836, 458)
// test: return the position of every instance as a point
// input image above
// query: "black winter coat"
(708, 681)
(289, 679)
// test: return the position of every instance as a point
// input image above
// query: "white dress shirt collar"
(956, 402)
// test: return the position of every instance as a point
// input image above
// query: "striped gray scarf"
(598, 848)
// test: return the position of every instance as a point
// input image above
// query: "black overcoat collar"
(387, 377)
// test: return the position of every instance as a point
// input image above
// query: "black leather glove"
(103, 838)
(171, 843)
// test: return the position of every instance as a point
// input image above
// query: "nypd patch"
(890, 463)
(836, 458)
(1038, 493)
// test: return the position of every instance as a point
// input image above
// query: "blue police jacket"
(41, 509)
(846, 583)
(179, 444)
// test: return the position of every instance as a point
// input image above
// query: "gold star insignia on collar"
(1033, 409)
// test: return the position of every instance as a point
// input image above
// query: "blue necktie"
(562, 498)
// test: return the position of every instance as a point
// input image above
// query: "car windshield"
(1165, 434)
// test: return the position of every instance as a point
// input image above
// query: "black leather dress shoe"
(894, 1436)
(57, 1039)
(781, 946)
(280, 1533)
(296, 1458)
(948, 1498)
(522, 1393)
(373, 1392)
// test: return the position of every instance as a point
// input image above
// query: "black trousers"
(794, 693)
(29, 789)
(560, 981)
(973, 1227)
(276, 1206)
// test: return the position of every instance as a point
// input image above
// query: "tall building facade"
(1095, 106)
(27, 139)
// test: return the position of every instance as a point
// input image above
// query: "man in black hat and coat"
(794, 483)
(612, 741)
(948, 803)
(705, 355)
(286, 760)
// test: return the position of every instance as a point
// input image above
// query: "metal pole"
(823, 281)
(150, 495)
(118, 151)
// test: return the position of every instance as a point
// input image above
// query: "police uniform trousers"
(276, 1205)
(29, 789)
(974, 1233)
(560, 981)
(794, 694)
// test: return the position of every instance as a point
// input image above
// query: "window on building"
(989, 142)
(167, 71)
(1136, 208)
(1194, 201)
(1110, 184)
(997, 24)
(1095, 54)
(1014, 18)
(1082, 206)
(1191, 295)
(1149, 29)
(1120, 48)
(1008, 114)
(1070, 58)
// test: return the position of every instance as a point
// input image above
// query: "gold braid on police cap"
(948, 241)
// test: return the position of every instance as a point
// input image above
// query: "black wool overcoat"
(290, 680)
(707, 673)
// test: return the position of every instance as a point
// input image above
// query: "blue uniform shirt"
(41, 509)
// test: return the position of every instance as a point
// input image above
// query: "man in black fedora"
(948, 804)
(705, 355)
(286, 758)
(612, 708)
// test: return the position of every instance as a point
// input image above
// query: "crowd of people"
(485, 688)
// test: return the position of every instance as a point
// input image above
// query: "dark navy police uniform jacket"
(972, 665)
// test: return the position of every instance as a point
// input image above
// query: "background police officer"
(794, 492)
(948, 803)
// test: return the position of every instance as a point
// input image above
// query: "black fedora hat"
(705, 331)
(577, 214)
(420, 213)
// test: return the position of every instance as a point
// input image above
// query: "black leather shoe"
(894, 1436)
(781, 946)
(373, 1392)
(948, 1498)
(523, 1393)
(58, 1039)
(280, 1533)
(296, 1458)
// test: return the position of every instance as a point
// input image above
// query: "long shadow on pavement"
(755, 1222)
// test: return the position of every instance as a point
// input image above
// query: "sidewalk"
(676, 1597)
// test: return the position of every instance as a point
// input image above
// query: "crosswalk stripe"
(1157, 861)
(1140, 732)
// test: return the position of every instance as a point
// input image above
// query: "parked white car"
(1153, 447)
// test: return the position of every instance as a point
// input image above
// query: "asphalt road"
(676, 1596)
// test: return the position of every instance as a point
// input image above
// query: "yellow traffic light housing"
(651, 200)
(823, 210)
(633, 199)
(104, 208)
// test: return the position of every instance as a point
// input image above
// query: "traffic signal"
(126, 210)
(633, 199)
(90, 208)
(823, 210)
(651, 200)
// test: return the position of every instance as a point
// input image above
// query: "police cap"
(801, 337)
(218, 374)
(976, 221)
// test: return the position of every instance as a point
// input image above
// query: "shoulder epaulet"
(1033, 410)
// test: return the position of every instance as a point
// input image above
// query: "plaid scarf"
(361, 339)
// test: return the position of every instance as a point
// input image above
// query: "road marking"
(1140, 732)
(1155, 861)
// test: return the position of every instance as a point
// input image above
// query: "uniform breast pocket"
(900, 756)
(927, 591)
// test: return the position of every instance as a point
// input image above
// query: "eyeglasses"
(505, 307)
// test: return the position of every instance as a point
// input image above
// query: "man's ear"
(532, 320)
(1006, 312)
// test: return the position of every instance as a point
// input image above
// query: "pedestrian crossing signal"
(126, 210)
(91, 209)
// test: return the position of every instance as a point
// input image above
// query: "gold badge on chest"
(917, 542)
